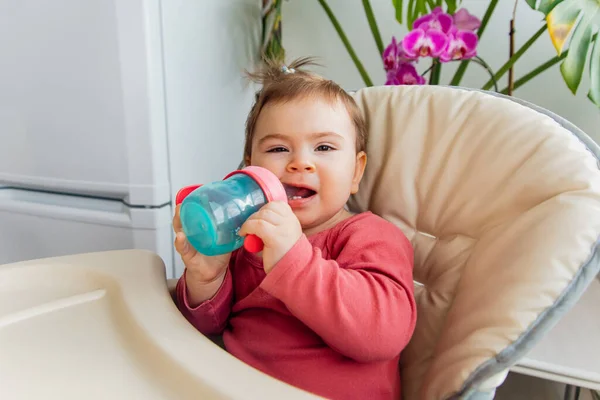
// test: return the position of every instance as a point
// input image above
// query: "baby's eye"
(277, 150)
(324, 147)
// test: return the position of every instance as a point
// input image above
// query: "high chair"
(500, 199)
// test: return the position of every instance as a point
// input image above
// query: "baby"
(328, 306)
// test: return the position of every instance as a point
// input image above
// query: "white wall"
(207, 46)
(308, 31)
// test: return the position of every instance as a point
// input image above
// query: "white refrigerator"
(107, 108)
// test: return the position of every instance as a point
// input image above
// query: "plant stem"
(411, 14)
(264, 28)
(373, 25)
(535, 72)
(462, 68)
(431, 70)
(427, 70)
(511, 51)
(436, 69)
(479, 60)
(514, 58)
(340, 31)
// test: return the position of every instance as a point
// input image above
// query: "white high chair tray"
(103, 326)
(570, 352)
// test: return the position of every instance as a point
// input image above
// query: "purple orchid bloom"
(394, 56)
(436, 20)
(464, 21)
(461, 45)
(391, 78)
(390, 55)
(421, 43)
(406, 74)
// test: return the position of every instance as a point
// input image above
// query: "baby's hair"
(282, 83)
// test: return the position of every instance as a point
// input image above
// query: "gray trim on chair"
(483, 395)
(547, 319)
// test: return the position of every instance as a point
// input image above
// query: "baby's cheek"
(265, 162)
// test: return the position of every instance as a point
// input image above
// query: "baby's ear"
(359, 170)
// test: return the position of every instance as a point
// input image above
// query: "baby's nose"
(301, 166)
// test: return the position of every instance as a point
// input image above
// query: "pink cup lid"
(268, 182)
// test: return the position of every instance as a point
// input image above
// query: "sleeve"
(209, 317)
(361, 304)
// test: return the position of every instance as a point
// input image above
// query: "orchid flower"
(436, 35)
(464, 21)
(461, 45)
(394, 56)
(406, 74)
(421, 43)
(436, 20)
(390, 55)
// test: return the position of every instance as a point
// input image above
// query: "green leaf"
(410, 12)
(572, 67)
(398, 6)
(451, 6)
(462, 68)
(594, 93)
(336, 25)
(271, 47)
(574, 21)
(373, 25)
(561, 22)
(531, 3)
(436, 72)
(546, 6)
(511, 61)
(532, 74)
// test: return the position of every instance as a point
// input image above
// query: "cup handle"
(253, 244)
(183, 193)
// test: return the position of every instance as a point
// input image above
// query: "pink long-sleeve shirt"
(332, 317)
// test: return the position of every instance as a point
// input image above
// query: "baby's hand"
(279, 229)
(204, 268)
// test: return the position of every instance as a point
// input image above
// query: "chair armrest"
(171, 285)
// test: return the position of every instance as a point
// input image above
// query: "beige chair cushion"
(501, 204)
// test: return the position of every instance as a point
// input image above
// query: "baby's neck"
(330, 223)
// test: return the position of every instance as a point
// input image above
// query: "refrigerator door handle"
(62, 206)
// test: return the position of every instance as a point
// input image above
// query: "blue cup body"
(212, 215)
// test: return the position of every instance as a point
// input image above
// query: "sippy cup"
(212, 214)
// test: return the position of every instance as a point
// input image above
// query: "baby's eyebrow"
(315, 135)
(272, 136)
(320, 135)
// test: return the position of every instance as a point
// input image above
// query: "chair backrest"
(502, 205)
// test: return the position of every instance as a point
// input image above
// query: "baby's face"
(310, 145)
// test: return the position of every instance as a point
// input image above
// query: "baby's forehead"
(319, 112)
(306, 100)
(288, 122)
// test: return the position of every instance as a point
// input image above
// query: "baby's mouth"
(297, 192)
